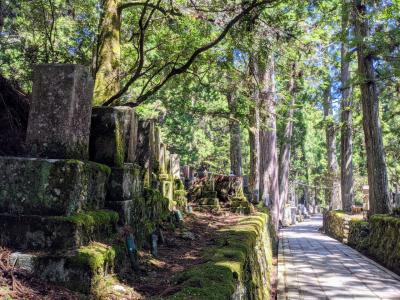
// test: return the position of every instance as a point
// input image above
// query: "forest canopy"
(205, 69)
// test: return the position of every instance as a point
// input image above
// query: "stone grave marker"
(59, 118)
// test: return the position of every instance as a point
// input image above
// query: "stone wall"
(237, 268)
(384, 240)
(335, 224)
(379, 237)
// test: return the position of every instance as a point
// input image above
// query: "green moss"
(179, 184)
(98, 257)
(119, 154)
(180, 198)
(92, 218)
(149, 210)
(241, 254)
(103, 168)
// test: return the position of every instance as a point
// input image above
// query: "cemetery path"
(312, 265)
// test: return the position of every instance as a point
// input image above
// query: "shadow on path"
(315, 266)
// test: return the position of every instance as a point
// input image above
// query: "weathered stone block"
(124, 210)
(113, 135)
(51, 186)
(59, 118)
(29, 232)
(125, 183)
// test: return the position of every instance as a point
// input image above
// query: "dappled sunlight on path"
(315, 266)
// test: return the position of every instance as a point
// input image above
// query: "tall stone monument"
(59, 119)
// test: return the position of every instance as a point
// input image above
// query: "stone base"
(51, 187)
(78, 270)
(26, 232)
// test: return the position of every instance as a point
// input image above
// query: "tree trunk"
(377, 174)
(284, 157)
(254, 138)
(269, 187)
(235, 140)
(346, 138)
(306, 175)
(107, 60)
(333, 182)
(2, 13)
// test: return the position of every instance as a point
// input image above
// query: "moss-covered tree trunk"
(377, 173)
(269, 187)
(235, 148)
(254, 137)
(346, 137)
(332, 178)
(107, 58)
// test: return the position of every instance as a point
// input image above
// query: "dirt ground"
(181, 250)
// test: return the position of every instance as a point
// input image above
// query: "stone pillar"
(162, 159)
(175, 166)
(59, 118)
(113, 135)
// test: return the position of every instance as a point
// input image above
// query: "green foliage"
(192, 109)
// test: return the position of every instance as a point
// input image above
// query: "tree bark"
(2, 13)
(254, 137)
(235, 140)
(269, 187)
(108, 52)
(333, 182)
(377, 173)
(284, 157)
(346, 138)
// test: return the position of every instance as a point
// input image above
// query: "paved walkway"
(312, 265)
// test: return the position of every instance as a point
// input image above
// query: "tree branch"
(183, 68)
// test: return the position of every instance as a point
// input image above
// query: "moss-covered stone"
(51, 186)
(336, 224)
(148, 212)
(29, 232)
(241, 205)
(242, 257)
(79, 270)
(98, 257)
(358, 235)
(180, 198)
(378, 238)
(384, 240)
